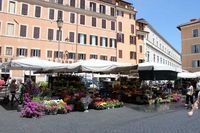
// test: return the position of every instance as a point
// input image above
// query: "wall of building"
(190, 55)
(160, 51)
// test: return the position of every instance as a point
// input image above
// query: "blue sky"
(166, 15)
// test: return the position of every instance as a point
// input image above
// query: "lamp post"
(59, 24)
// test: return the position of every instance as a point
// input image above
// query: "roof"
(192, 21)
(142, 20)
(151, 27)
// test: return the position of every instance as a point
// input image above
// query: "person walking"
(189, 94)
(195, 105)
(197, 89)
(13, 88)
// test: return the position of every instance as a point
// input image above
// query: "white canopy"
(187, 75)
(93, 65)
(30, 64)
(156, 67)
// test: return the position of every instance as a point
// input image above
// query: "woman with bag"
(189, 94)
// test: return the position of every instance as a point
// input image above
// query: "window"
(82, 19)
(120, 54)
(103, 41)
(120, 13)
(113, 58)
(59, 35)
(120, 37)
(51, 14)
(71, 36)
(132, 55)
(132, 39)
(103, 23)
(56, 54)
(82, 38)
(24, 9)
(93, 40)
(93, 56)
(195, 33)
(35, 53)
(1, 3)
(60, 14)
(131, 16)
(60, 2)
(112, 43)
(71, 55)
(82, 4)
(148, 56)
(157, 59)
(36, 32)
(94, 22)
(132, 29)
(50, 34)
(141, 37)
(112, 11)
(93, 6)
(72, 3)
(37, 11)
(102, 9)
(72, 18)
(154, 58)
(141, 49)
(49, 54)
(196, 48)
(8, 50)
(10, 29)
(112, 25)
(21, 52)
(11, 7)
(82, 56)
(103, 57)
(120, 26)
(23, 29)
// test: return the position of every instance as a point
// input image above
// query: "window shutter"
(85, 41)
(31, 52)
(96, 40)
(25, 52)
(17, 54)
(122, 38)
(39, 53)
(101, 41)
(78, 38)
(106, 42)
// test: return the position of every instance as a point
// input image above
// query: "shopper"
(13, 88)
(197, 88)
(189, 94)
(195, 105)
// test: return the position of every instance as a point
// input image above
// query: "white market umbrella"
(187, 75)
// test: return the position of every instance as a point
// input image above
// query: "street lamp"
(59, 24)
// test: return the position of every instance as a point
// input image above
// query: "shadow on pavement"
(8, 106)
(156, 107)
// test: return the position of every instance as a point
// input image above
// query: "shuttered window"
(24, 9)
(94, 22)
(50, 34)
(103, 23)
(71, 36)
(37, 11)
(23, 29)
(36, 33)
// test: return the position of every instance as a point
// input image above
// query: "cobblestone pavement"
(168, 118)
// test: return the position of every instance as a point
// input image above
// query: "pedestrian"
(195, 105)
(197, 89)
(13, 88)
(189, 94)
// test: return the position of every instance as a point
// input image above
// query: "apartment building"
(190, 39)
(158, 49)
(100, 29)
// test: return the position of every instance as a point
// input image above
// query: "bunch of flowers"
(31, 109)
(105, 104)
(56, 106)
